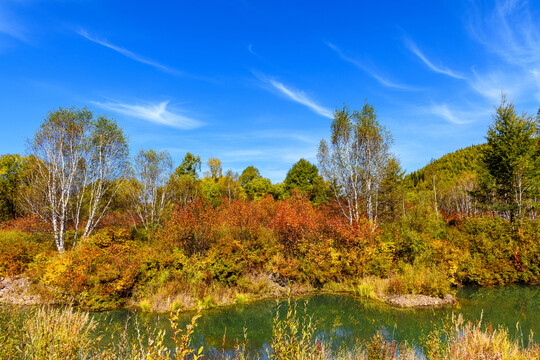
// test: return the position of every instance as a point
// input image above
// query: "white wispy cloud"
(457, 117)
(156, 113)
(10, 25)
(492, 84)
(301, 98)
(129, 54)
(383, 80)
(438, 69)
(510, 31)
(298, 96)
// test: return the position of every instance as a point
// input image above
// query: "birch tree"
(74, 162)
(106, 170)
(150, 192)
(355, 160)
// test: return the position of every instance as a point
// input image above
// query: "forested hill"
(448, 168)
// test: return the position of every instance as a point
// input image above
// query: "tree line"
(78, 169)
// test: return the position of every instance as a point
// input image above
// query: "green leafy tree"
(11, 176)
(257, 188)
(211, 190)
(190, 165)
(304, 177)
(355, 161)
(510, 162)
(184, 184)
(277, 191)
(249, 173)
(184, 189)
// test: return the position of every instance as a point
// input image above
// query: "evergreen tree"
(189, 166)
(510, 162)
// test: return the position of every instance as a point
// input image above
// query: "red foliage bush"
(115, 219)
(241, 218)
(192, 228)
(295, 219)
(27, 224)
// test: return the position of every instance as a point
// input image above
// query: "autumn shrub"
(285, 269)
(31, 224)
(491, 252)
(192, 227)
(295, 219)
(379, 258)
(100, 273)
(227, 261)
(17, 251)
(116, 219)
(320, 262)
(335, 226)
(159, 264)
(526, 255)
(241, 219)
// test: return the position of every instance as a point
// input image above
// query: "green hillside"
(449, 167)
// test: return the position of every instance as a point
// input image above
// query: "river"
(343, 320)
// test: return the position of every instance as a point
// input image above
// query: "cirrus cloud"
(156, 113)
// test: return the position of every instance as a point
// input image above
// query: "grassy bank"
(66, 333)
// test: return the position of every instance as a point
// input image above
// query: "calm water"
(343, 320)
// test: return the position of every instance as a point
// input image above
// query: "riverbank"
(20, 290)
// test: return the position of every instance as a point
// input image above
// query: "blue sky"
(256, 82)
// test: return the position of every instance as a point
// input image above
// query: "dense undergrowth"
(66, 333)
(206, 255)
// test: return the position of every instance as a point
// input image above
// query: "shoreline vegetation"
(67, 333)
(256, 250)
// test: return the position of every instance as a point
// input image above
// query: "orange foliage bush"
(17, 251)
(100, 273)
(115, 219)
